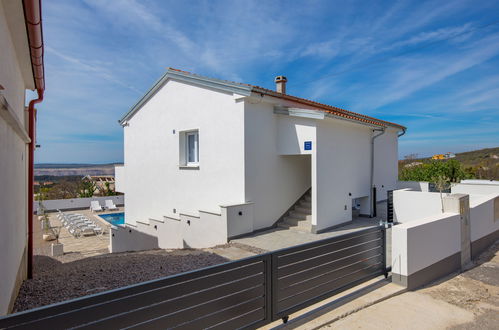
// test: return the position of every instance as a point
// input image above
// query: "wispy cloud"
(96, 69)
(425, 64)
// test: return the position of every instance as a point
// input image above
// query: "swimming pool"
(114, 218)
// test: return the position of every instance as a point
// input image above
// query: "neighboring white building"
(194, 144)
(21, 68)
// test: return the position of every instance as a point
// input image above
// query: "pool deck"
(85, 246)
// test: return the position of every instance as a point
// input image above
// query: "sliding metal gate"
(246, 293)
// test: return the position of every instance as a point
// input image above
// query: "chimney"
(280, 84)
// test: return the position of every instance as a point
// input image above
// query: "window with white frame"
(189, 148)
(192, 144)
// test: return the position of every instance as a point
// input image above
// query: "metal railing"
(247, 293)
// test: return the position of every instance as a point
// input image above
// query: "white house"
(21, 68)
(206, 156)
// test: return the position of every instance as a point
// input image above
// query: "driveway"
(279, 238)
(469, 300)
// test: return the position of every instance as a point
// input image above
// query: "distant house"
(21, 68)
(255, 157)
(101, 182)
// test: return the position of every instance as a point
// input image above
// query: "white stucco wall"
(386, 163)
(155, 185)
(13, 162)
(476, 189)
(273, 182)
(421, 243)
(119, 178)
(414, 205)
(240, 218)
(413, 185)
(343, 168)
(483, 217)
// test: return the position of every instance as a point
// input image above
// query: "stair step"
(305, 204)
(305, 210)
(308, 199)
(299, 215)
(297, 222)
(297, 228)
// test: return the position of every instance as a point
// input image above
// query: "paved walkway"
(279, 238)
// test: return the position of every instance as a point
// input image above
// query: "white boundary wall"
(475, 189)
(428, 243)
(484, 215)
(414, 185)
(421, 243)
(484, 207)
(414, 205)
(77, 203)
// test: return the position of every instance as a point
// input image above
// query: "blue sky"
(432, 66)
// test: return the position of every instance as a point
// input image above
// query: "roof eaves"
(330, 110)
(228, 86)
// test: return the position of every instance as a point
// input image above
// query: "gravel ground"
(70, 276)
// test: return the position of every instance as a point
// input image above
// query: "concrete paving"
(231, 252)
(340, 305)
(411, 310)
(279, 238)
(85, 246)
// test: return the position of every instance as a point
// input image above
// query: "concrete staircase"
(300, 216)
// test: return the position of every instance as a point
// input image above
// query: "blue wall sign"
(308, 145)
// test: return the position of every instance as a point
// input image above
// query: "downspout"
(402, 133)
(31, 177)
(33, 20)
(371, 210)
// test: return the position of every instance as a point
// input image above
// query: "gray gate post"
(460, 203)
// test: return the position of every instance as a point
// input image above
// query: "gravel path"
(68, 277)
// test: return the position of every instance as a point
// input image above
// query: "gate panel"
(311, 272)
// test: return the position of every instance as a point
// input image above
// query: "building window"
(192, 145)
(189, 148)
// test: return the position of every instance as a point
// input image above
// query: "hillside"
(479, 157)
(483, 163)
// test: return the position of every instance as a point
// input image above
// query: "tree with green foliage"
(87, 188)
(109, 191)
(428, 171)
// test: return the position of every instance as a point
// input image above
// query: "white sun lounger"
(110, 205)
(95, 206)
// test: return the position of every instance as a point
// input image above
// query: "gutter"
(33, 19)
(371, 186)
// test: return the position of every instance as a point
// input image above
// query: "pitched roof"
(247, 89)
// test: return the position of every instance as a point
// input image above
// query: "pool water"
(114, 218)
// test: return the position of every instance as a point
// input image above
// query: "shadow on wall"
(124, 239)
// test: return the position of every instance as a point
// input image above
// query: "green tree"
(428, 171)
(87, 188)
(109, 191)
